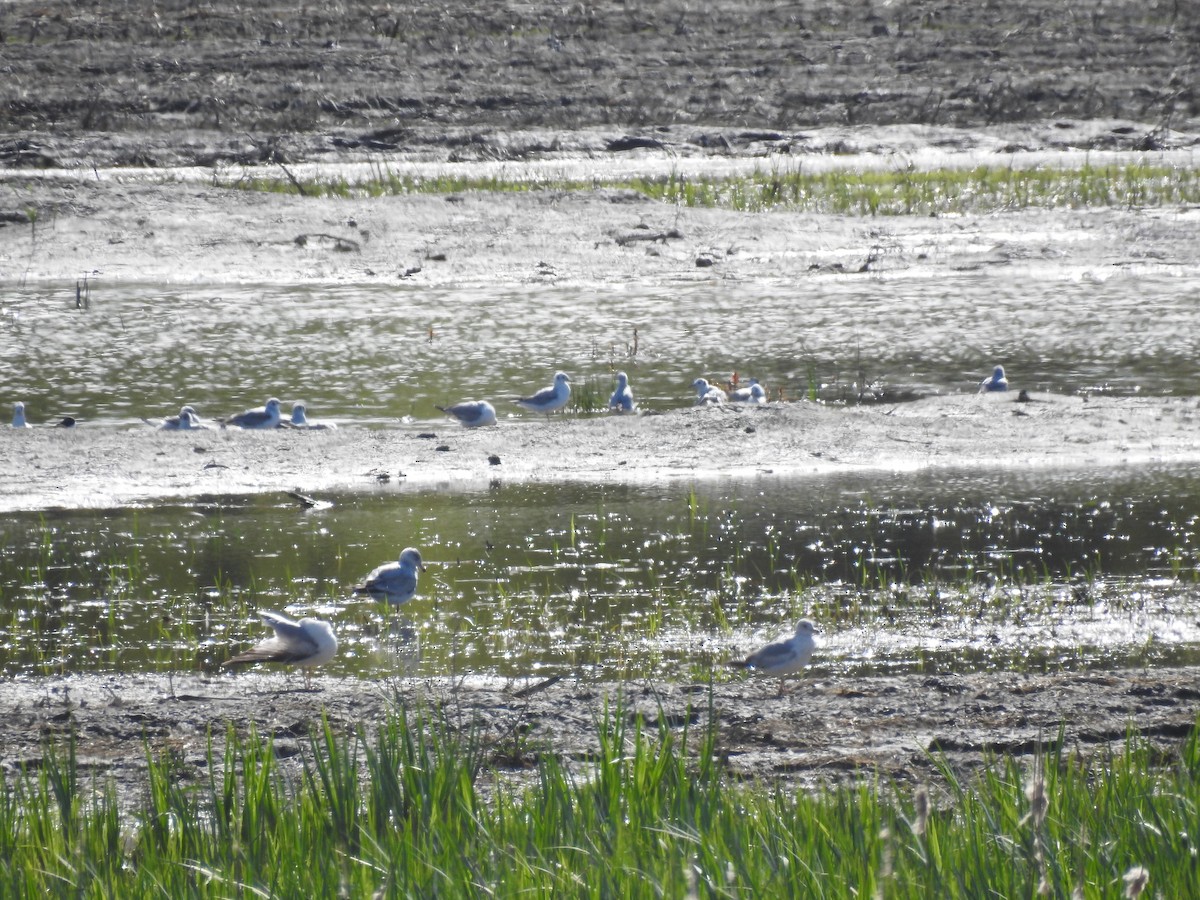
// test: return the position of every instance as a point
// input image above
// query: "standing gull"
(472, 413)
(782, 658)
(752, 393)
(308, 643)
(707, 393)
(263, 417)
(548, 399)
(395, 582)
(19, 416)
(994, 382)
(622, 398)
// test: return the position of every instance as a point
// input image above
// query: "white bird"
(782, 658)
(262, 417)
(707, 393)
(548, 399)
(19, 416)
(994, 382)
(395, 582)
(308, 643)
(300, 419)
(752, 393)
(622, 398)
(472, 413)
(187, 420)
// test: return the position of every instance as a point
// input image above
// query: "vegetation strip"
(984, 189)
(423, 809)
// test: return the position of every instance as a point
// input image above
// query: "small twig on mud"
(294, 180)
(653, 236)
(341, 244)
(537, 688)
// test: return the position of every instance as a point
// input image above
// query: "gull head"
(411, 556)
(273, 406)
(560, 378)
(298, 413)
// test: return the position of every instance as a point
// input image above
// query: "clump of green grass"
(980, 190)
(415, 810)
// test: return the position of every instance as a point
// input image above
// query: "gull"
(707, 393)
(300, 419)
(622, 398)
(187, 420)
(264, 417)
(19, 416)
(309, 642)
(752, 393)
(472, 413)
(994, 382)
(782, 658)
(548, 399)
(395, 582)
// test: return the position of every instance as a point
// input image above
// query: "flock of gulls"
(311, 642)
(473, 413)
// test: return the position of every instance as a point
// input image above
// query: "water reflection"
(933, 572)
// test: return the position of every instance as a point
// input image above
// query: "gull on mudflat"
(300, 419)
(707, 393)
(472, 413)
(307, 643)
(261, 417)
(994, 382)
(782, 658)
(19, 416)
(395, 582)
(548, 399)
(187, 420)
(622, 398)
(751, 393)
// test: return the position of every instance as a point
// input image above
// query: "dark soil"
(168, 82)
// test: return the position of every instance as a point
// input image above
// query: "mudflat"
(99, 100)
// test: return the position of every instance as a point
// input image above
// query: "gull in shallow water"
(782, 658)
(308, 643)
(19, 416)
(300, 419)
(472, 413)
(262, 417)
(395, 582)
(994, 382)
(622, 398)
(707, 393)
(548, 399)
(752, 393)
(187, 420)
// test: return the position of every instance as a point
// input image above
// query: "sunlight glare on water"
(942, 572)
(373, 353)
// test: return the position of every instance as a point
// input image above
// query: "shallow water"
(920, 572)
(936, 572)
(373, 354)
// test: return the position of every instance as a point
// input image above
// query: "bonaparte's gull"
(300, 419)
(263, 417)
(395, 582)
(548, 399)
(707, 393)
(187, 420)
(752, 393)
(309, 642)
(782, 658)
(622, 398)
(472, 413)
(19, 416)
(994, 382)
